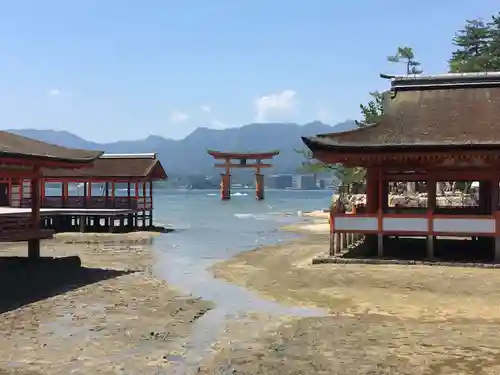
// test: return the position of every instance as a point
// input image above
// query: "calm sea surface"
(209, 230)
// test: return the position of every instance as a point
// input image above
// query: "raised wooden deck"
(17, 211)
(17, 219)
(134, 203)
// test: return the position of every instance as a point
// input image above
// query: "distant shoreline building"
(280, 181)
(305, 182)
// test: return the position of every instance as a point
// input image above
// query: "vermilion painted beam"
(446, 175)
(408, 158)
(243, 165)
(16, 173)
(93, 179)
(243, 155)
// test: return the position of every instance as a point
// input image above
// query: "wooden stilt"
(34, 244)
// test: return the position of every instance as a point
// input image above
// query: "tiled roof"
(116, 166)
(430, 111)
(17, 146)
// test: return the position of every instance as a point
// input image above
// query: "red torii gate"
(242, 157)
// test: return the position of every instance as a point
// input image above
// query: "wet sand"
(110, 316)
(383, 319)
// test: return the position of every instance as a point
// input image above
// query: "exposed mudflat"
(384, 319)
(110, 316)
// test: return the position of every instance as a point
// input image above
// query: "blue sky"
(109, 69)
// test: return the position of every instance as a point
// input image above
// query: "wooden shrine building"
(22, 161)
(433, 129)
(115, 193)
(242, 162)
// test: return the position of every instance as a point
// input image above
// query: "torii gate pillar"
(225, 181)
(259, 186)
(225, 186)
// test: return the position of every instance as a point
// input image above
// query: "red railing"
(355, 225)
(134, 203)
(413, 224)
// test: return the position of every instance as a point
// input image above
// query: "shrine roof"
(18, 147)
(441, 111)
(243, 155)
(115, 166)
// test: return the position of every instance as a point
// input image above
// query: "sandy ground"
(316, 214)
(110, 316)
(383, 319)
(317, 223)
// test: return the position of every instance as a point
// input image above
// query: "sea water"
(208, 230)
(211, 229)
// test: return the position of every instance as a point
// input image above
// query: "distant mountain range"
(188, 156)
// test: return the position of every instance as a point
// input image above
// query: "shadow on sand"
(23, 281)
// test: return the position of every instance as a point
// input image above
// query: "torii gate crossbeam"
(242, 162)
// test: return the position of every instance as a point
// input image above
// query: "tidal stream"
(191, 276)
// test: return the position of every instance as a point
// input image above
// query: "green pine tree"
(474, 48)
(405, 55)
(494, 43)
(372, 111)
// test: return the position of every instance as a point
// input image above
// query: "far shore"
(109, 316)
(384, 319)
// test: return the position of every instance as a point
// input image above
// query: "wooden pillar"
(144, 200)
(88, 193)
(431, 209)
(151, 200)
(259, 186)
(34, 244)
(82, 223)
(111, 226)
(113, 194)
(21, 192)
(372, 178)
(485, 197)
(380, 210)
(128, 194)
(495, 202)
(136, 190)
(225, 186)
(10, 191)
(65, 193)
(129, 197)
(106, 194)
(495, 197)
(42, 191)
(331, 220)
(371, 190)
